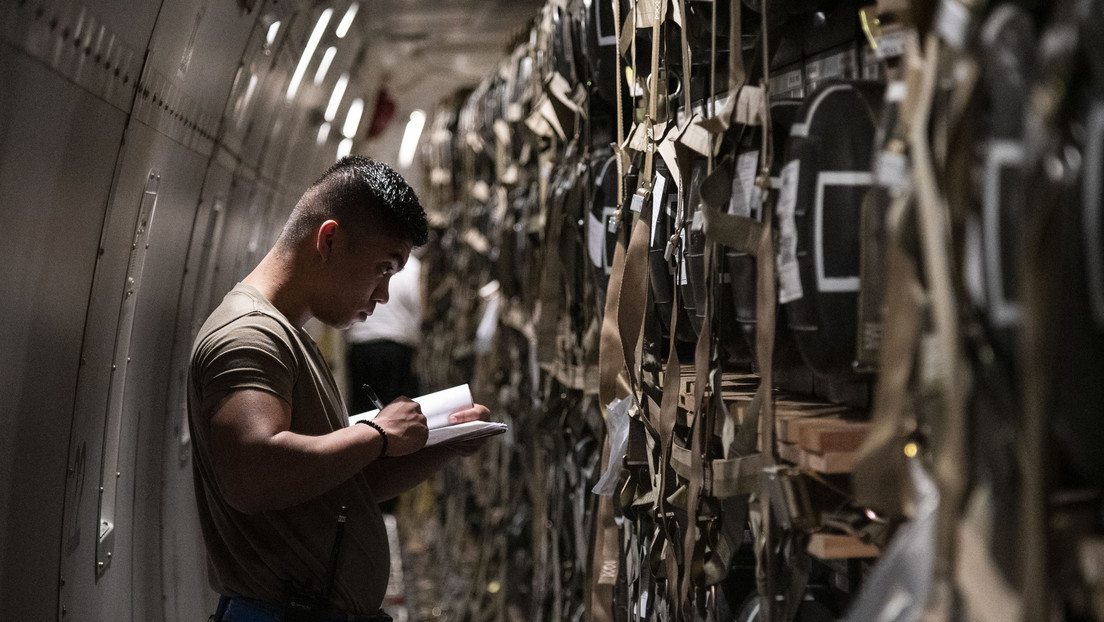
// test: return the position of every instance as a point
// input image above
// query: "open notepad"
(437, 407)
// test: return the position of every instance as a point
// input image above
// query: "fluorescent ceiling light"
(347, 21)
(344, 148)
(273, 30)
(324, 64)
(352, 120)
(335, 98)
(308, 52)
(323, 133)
(410, 138)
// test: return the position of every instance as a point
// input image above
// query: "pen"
(372, 396)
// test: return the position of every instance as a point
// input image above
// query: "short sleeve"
(252, 352)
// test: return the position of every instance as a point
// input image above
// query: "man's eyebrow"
(398, 259)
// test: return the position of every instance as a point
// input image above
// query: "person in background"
(287, 490)
(382, 349)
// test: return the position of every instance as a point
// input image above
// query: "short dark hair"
(362, 194)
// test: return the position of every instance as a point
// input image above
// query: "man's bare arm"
(261, 465)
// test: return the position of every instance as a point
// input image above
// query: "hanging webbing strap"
(628, 286)
(604, 557)
(938, 269)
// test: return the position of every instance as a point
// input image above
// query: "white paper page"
(435, 406)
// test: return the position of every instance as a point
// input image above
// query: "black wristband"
(383, 435)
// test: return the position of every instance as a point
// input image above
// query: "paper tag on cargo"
(789, 279)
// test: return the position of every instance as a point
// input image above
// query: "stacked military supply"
(809, 292)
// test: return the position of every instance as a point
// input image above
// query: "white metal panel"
(188, 71)
(57, 148)
(96, 44)
(252, 72)
(105, 592)
(269, 102)
(154, 330)
(198, 44)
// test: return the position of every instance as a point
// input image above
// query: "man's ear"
(325, 238)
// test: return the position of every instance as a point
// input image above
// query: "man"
(277, 465)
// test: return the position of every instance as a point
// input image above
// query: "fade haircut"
(363, 195)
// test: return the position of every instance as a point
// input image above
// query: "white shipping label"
(698, 221)
(658, 194)
(952, 22)
(596, 237)
(892, 44)
(743, 184)
(789, 280)
(891, 170)
(789, 283)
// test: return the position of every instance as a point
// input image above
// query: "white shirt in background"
(400, 318)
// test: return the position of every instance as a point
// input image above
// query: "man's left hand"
(477, 412)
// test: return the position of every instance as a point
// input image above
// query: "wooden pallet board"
(789, 414)
(828, 434)
(837, 546)
(829, 462)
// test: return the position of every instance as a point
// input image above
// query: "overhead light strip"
(344, 148)
(335, 98)
(273, 30)
(347, 21)
(324, 64)
(308, 52)
(352, 120)
(410, 138)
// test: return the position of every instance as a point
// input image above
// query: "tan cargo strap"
(938, 267)
(700, 423)
(766, 298)
(881, 475)
(624, 311)
(547, 322)
(622, 323)
(605, 556)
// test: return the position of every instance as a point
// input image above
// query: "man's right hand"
(405, 426)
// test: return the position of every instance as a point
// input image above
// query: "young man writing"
(276, 461)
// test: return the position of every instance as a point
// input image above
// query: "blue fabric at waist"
(241, 609)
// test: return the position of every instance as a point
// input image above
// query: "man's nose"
(381, 293)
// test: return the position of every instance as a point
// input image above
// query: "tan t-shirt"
(247, 344)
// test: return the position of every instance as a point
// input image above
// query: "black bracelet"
(383, 435)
